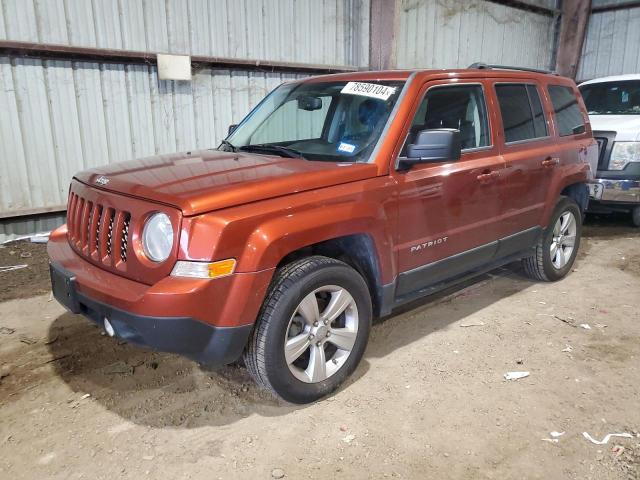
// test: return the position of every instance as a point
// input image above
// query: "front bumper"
(206, 320)
(196, 340)
(618, 191)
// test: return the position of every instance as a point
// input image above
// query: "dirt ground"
(428, 401)
(25, 282)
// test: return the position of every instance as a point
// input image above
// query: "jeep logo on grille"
(102, 180)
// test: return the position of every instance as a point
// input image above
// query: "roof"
(614, 78)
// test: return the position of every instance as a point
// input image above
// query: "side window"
(521, 110)
(461, 107)
(567, 112)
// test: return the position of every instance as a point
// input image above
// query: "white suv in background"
(613, 104)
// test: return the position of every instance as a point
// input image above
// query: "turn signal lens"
(222, 268)
(203, 269)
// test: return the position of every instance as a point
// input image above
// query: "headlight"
(624, 153)
(157, 237)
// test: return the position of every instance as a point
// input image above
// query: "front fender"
(275, 238)
(259, 235)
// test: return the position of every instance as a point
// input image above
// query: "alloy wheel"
(563, 240)
(321, 334)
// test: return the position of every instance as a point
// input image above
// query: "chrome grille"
(98, 231)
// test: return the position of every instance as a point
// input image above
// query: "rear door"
(449, 211)
(531, 157)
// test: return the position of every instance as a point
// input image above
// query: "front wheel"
(312, 329)
(558, 246)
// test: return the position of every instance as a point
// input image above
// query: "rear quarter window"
(567, 112)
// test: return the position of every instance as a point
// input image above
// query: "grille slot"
(110, 231)
(87, 229)
(602, 149)
(96, 245)
(124, 237)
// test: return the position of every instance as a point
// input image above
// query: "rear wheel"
(312, 330)
(558, 246)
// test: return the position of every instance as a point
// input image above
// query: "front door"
(449, 211)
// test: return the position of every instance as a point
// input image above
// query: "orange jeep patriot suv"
(335, 200)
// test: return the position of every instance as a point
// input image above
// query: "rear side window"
(567, 112)
(521, 110)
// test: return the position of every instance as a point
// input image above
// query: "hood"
(197, 182)
(627, 127)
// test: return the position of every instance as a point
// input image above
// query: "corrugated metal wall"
(308, 31)
(612, 43)
(454, 34)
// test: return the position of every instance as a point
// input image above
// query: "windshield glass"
(334, 121)
(612, 98)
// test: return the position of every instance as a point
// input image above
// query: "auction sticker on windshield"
(372, 90)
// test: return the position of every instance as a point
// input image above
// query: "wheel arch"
(578, 192)
(574, 187)
(356, 250)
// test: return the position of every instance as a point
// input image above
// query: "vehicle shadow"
(165, 390)
(609, 226)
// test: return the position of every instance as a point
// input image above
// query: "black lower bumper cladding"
(199, 341)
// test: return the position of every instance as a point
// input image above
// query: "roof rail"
(485, 66)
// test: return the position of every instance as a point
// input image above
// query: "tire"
(635, 216)
(546, 266)
(287, 317)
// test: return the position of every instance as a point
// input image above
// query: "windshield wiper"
(229, 145)
(277, 149)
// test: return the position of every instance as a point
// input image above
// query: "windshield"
(612, 98)
(334, 121)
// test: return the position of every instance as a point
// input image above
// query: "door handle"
(550, 162)
(488, 176)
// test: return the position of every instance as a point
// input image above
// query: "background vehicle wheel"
(312, 329)
(635, 216)
(557, 248)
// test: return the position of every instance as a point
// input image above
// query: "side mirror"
(309, 103)
(434, 145)
(232, 128)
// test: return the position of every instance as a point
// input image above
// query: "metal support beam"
(382, 33)
(526, 6)
(101, 55)
(616, 6)
(575, 18)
